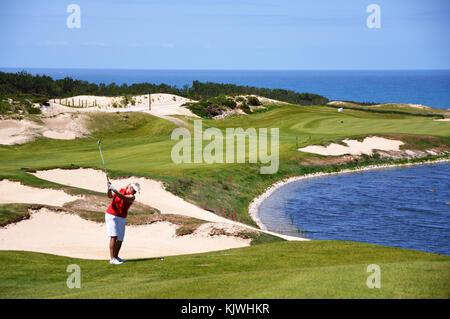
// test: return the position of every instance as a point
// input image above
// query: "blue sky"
(225, 34)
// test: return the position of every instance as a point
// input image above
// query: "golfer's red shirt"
(118, 206)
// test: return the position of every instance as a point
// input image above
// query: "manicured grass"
(316, 269)
(140, 144)
(11, 213)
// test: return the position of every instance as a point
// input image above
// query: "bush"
(246, 108)
(197, 109)
(33, 110)
(5, 107)
(214, 110)
(252, 100)
(39, 100)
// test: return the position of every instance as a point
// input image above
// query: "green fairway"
(316, 269)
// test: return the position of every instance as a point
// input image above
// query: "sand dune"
(62, 126)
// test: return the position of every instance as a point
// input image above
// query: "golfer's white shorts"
(115, 226)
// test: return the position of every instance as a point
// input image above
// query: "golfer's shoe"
(115, 261)
(120, 259)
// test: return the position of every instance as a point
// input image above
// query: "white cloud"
(94, 44)
(55, 43)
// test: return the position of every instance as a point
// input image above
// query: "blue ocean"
(426, 87)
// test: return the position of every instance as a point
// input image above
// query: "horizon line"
(162, 69)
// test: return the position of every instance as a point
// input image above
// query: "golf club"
(107, 177)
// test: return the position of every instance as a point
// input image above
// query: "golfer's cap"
(136, 187)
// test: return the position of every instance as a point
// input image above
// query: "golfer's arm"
(110, 194)
(129, 198)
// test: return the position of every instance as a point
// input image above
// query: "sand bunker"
(15, 192)
(152, 194)
(367, 146)
(442, 120)
(17, 132)
(69, 235)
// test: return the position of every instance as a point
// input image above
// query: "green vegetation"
(316, 269)
(253, 101)
(13, 213)
(21, 84)
(209, 108)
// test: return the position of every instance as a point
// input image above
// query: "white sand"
(152, 194)
(69, 235)
(417, 106)
(92, 101)
(442, 120)
(17, 131)
(15, 192)
(62, 126)
(354, 147)
(254, 205)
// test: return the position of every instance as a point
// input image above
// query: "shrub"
(5, 107)
(246, 108)
(252, 100)
(33, 110)
(214, 110)
(39, 100)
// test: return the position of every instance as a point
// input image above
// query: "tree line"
(23, 83)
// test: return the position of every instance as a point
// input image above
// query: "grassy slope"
(317, 269)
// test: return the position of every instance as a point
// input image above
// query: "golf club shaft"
(107, 177)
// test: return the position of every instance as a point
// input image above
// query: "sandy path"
(355, 147)
(69, 235)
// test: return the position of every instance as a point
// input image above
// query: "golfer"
(115, 218)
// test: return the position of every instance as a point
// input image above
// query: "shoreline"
(256, 202)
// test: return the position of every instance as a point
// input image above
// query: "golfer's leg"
(112, 247)
(117, 248)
